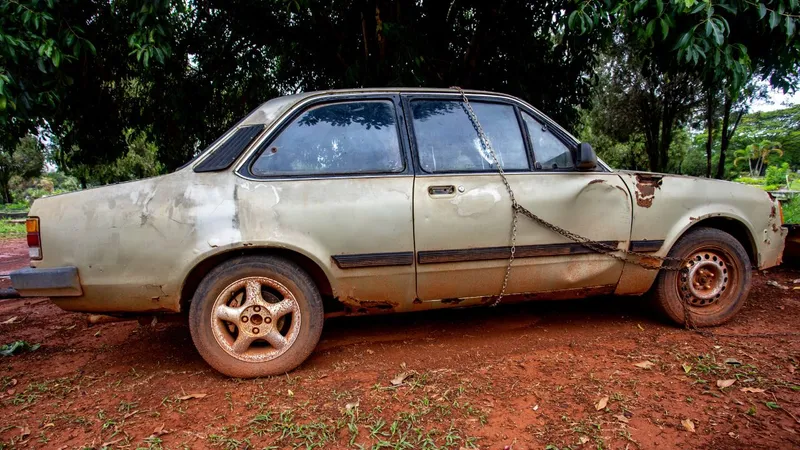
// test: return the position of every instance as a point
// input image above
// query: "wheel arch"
(733, 226)
(321, 279)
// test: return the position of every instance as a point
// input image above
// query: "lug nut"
(244, 318)
(255, 330)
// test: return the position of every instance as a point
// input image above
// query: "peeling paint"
(646, 185)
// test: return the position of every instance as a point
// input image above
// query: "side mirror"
(586, 158)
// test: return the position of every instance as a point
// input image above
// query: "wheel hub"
(704, 279)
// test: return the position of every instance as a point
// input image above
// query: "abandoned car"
(390, 200)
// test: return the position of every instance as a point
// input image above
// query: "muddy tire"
(256, 316)
(715, 283)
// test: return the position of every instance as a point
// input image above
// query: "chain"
(645, 260)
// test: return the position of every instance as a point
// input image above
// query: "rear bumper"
(52, 282)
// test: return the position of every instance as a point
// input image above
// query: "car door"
(463, 216)
(335, 183)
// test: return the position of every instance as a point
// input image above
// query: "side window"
(338, 138)
(548, 150)
(447, 141)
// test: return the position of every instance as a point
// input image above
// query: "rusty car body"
(406, 238)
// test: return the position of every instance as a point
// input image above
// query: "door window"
(548, 151)
(448, 142)
(337, 138)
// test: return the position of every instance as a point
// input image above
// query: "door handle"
(441, 190)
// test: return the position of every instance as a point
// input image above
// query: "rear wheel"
(714, 283)
(256, 316)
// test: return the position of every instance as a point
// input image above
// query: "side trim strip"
(490, 253)
(646, 245)
(374, 260)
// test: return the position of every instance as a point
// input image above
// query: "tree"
(723, 44)
(758, 156)
(25, 159)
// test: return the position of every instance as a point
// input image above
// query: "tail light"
(34, 238)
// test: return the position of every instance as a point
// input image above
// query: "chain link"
(645, 260)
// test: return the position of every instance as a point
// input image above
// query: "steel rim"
(707, 281)
(255, 319)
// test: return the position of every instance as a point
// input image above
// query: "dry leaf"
(733, 362)
(351, 406)
(722, 384)
(622, 418)
(13, 382)
(583, 440)
(536, 407)
(687, 368)
(290, 393)
(10, 321)
(645, 365)
(777, 285)
(191, 396)
(640, 327)
(399, 379)
(752, 390)
(160, 431)
(48, 425)
(98, 333)
(688, 425)
(110, 443)
(601, 404)
(130, 414)
(25, 432)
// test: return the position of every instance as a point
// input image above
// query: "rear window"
(226, 154)
(339, 138)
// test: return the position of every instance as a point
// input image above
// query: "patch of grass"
(9, 230)
(791, 210)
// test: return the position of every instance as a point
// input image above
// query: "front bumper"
(52, 282)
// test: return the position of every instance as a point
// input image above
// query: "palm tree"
(760, 153)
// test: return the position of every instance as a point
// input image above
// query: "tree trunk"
(709, 127)
(727, 135)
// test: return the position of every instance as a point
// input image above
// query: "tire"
(230, 317)
(715, 284)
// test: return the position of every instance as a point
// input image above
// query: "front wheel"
(256, 316)
(714, 282)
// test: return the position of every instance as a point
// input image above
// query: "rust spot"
(370, 304)
(417, 301)
(355, 306)
(646, 185)
(453, 301)
(597, 181)
(775, 228)
(692, 219)
(773, 212)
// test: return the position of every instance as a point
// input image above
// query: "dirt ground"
(597, 373)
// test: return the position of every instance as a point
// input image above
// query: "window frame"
(455, 97)
(552, 130)
(245, 169)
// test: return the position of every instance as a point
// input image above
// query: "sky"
(776, 100)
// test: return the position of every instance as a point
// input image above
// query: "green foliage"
(777, 126)
(791, 210)
(24, 159)
(17, 347)
(777, 175)
(9, 230)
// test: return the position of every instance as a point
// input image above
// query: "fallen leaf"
(10, 321)
(290, 393)
(640, 327)
(733, 362)
(645, 365)
(48, 425)
(601, 404)
(688, 425)
(130, 414)
(687, 368)
(722, 384)
(536, 407)
(97, 334)
(110, 443)
(13, 382)
(622, 418)
(583, 440)
(160, 431)
(402, 377)
(191, 396)
(777, 285)
(752, 390)
(25, 432)
(71, 326)
(351, 406)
